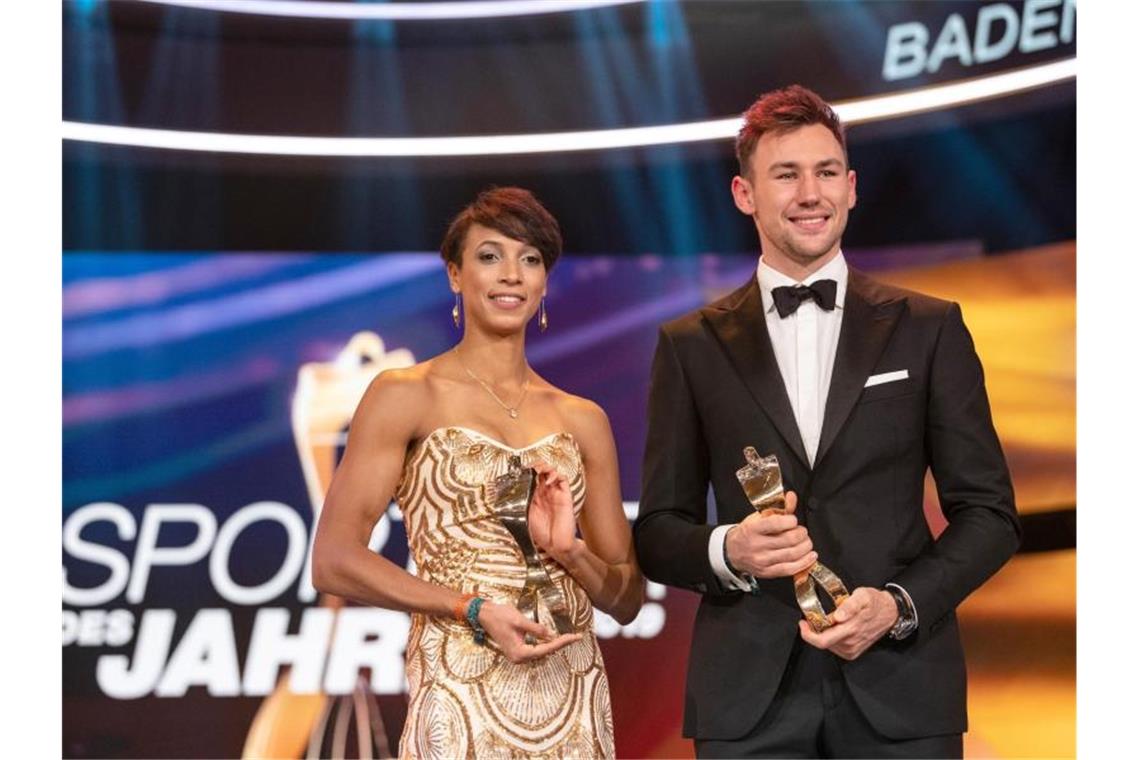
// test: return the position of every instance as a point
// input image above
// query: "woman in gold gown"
(484, 679)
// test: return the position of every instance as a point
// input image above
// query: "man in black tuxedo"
(857, 387)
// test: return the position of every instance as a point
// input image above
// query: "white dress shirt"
(804, 343)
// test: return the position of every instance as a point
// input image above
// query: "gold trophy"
(510, 494)
(764, 487)
(296, 725)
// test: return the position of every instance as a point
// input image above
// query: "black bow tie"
(788, 298)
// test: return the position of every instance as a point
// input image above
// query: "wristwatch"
(908, 617)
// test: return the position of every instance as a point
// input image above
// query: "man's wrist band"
(724, 552)
(473, 607)
(753, 586)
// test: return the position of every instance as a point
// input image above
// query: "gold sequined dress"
(466, 700)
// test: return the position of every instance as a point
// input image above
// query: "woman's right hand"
(509, 628)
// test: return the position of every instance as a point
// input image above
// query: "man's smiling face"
(799, 193)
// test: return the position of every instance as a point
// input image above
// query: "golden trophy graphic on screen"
(290, 724)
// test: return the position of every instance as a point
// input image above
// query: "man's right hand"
(770, 546)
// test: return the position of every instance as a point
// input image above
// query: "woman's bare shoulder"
(583, 418)
(402, 396)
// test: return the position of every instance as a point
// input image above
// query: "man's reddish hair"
(781, 111)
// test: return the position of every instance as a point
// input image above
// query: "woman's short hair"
(514, 212)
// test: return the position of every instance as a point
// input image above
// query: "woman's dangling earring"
(455, 311)
(542, 321)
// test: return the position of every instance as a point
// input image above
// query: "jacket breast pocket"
(895, 388)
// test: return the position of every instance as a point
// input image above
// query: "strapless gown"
(466, 700)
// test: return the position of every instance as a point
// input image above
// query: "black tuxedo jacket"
(716, 388)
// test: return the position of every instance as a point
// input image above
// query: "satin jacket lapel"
(867, 326)
(739, 326)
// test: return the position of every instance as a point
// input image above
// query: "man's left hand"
(859, 622)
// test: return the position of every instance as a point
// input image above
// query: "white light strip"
(859, 111)
(479, 145)
(426, 11)
(956, 93)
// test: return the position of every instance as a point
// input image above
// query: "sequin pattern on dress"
(467, 700)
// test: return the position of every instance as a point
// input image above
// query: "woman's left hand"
(551, 519)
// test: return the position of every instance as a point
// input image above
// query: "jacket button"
(812, 503)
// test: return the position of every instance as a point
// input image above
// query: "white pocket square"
(886, 377)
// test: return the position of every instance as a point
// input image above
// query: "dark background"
(1002, 171)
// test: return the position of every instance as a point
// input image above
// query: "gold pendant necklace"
(511, 410)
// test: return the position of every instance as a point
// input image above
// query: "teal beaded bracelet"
(473, 620)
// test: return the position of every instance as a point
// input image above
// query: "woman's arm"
(603, 560)
(383, 426)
